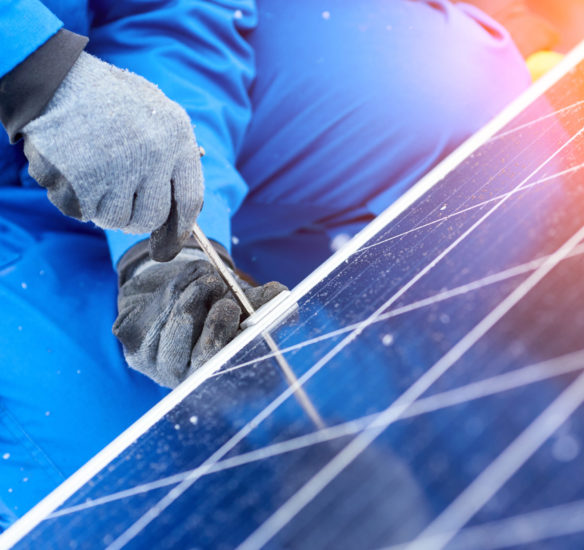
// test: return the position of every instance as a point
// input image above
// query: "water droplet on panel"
(387, 340)
(566, 448)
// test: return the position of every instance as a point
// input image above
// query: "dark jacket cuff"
(140, 252)
(26, 89)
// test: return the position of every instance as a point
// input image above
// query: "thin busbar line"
(544, 524)
(534, 121)
(567, 519)
(445, 527)
(473, 207)
(478, 284)
(176, 492)
(495, 385)
(530, 527)
(317, 483)
(111, 451)
(247, 308)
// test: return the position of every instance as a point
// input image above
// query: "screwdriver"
(231, 282)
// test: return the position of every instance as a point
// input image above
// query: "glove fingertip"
(127, 331)
(168, 240)
(59, 189)
(165, 244)
(260, 295)
(220, 328)
(223, 319)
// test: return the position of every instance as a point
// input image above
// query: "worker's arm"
(174, 316)
(197, 53)
(25, 25)
(108, 146)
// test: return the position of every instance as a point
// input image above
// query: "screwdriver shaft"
(223, 270)
(241, 298)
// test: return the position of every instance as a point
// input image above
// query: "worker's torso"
(340, 128)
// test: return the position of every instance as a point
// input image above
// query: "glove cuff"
(139, 254)
(28, 88)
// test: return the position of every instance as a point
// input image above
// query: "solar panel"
(443, 350)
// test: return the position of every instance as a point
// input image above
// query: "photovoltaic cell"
(444, 354)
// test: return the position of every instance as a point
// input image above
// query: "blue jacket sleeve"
(25, 25)
(196, 52)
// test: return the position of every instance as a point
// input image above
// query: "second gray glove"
(174, 316)
(110, 147)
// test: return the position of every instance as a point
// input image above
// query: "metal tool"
(241, 298)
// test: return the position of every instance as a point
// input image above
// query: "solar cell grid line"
(431, 209)
(535, 121)
(445, 527)
(287, 512)
(445, 295)
(302, 289)
(538, 526)
(476, 390)
(176, 492)
(317, 483)
(477, 205)
(518, 531)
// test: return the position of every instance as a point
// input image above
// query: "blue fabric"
(65, 391)
(369, 99)
(197, 54)
(24, 26)
(351, 104)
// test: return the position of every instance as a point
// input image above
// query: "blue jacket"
(194, 51)
(201, 54)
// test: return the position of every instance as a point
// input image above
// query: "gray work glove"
(110, 147)
(174, 316)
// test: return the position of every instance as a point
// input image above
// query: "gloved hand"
(174, 316)
(110, 147)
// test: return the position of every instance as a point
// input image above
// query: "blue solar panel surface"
(446, 359)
